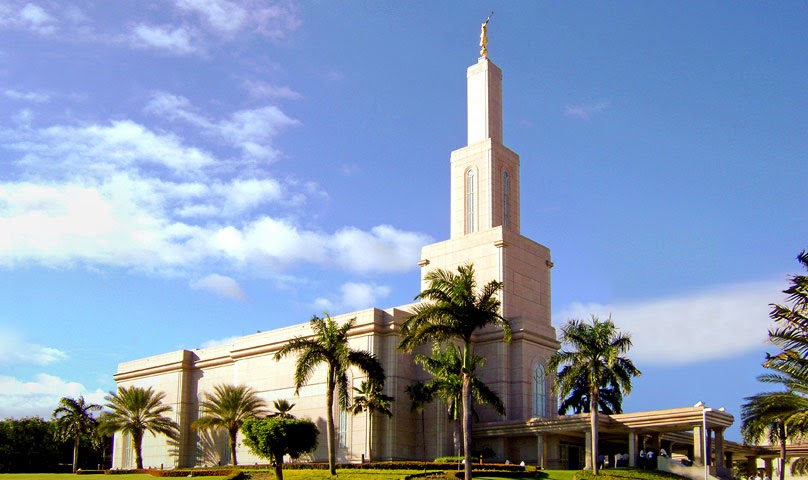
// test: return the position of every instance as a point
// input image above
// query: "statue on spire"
(484, 37)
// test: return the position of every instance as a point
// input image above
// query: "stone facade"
(485, 231)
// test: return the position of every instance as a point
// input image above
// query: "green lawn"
(71, 476)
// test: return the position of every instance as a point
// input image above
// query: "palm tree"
(227, 408)
(282, 409)
(329, 345)
(135, 411)
(791, 335)
(445, 365)
(777, 416)
(597, 360)
(454, 309)
(610, 399)
(370, 399)
(74, 419)
(783, 415)
(420, 395)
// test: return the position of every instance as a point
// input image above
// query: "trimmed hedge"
(625, 473)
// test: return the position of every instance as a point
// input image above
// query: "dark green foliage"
(26, 445)
(597, 361)
(274, 437)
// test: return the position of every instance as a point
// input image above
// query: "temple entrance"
(572, 456)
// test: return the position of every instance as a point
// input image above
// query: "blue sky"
(176, 173)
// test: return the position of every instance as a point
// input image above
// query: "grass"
(72, 476)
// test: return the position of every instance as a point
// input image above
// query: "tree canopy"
(274, 437)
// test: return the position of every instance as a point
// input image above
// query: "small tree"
(135, 411)
(420, 395)
(227, 408)
(74, 419)
(274, 437)
(371, 399)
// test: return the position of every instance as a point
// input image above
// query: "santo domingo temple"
(485, 231)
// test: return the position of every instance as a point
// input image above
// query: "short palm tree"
(454, 308)
(74, 419)
(329, 345)
(227, 408)
(420, 395)
(597, 359)
(282, 409)
(445, 366)
(135, 411)
(370, 399)
(777, 416)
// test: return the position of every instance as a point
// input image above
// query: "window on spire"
(470, 201)
(506, 199)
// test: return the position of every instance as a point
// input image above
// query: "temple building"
(485, 231)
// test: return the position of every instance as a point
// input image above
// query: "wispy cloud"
(261, 89)
(720, 322)
(14, 349)
(353, 296)
(272, 20)
(36, 97)
(220, 285)
(586, 111)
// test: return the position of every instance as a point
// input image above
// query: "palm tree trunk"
(423, 435)
(467, 423)
(782, 458)
(329, 419)
(369, 428)
(76, 453)
(279, 469)
(593, 408)
(233, 447)
(137, 441)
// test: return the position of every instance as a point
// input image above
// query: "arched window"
(539, 391)
(506, 199)
(470, 200)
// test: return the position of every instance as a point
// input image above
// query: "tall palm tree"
(597, 359)
(445, 365)
(282, 409)
(227, 407)
(781, 415)
(454, 308)
(610, 399)
(791, 334)
(329, 345)
(420, 395)
(135, 411)
(370, 399)
(777, 416)
(74, 419)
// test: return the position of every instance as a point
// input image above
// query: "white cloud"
(219, 285)
(715, 323)
(14, 349)
(40, 396)
(383, 248)
(222, 15)
(220, 342)
(176, 40)
(586, 111)
(36, 97)
(123, 194)
(353, 296)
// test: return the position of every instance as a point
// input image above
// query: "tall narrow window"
(343, 428)
(506, 199)
(539, 392)
(470, 227)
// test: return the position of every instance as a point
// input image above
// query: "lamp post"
(704, 439)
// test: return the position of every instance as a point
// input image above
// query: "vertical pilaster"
(632, 449)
